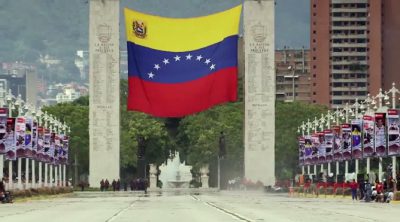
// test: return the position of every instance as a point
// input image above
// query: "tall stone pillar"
(104, 90)
(259, 48)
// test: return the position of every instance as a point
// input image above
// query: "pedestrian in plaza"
(118, 186)
(102, 185)
(379, 191)
(114, 185)
(106, 185)
(361, 187)
(353, 187)
(132, 184)
(125, 186)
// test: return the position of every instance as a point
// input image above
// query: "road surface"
(200, 207)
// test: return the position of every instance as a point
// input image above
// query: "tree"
(288, 117)
(76, 116)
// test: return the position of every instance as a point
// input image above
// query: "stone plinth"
(153, 176)
(204, 176)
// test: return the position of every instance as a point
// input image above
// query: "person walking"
(118, 185)
(114, 185)
(353, 187)
(102, 185)
(362, 189)
(106, 185)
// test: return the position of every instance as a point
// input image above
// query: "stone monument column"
(104, 90)
(259, 49)
(204, 176)
(153, 176)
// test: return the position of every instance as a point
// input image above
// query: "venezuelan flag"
(178, 67)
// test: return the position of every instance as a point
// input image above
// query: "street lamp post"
(18, 105)
(308, 125)
(380, 97)
(315, 124)
(9, 101)
(39, 123)
(321, 125)
(393, 92)
(357, 106)
(46, 118)
(347, 111)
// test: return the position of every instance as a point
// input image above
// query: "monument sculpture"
(259, 91)
(103, 90)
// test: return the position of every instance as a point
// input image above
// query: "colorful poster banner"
(337, 145)
(315, 145)
(301, 151)
(321, 148)
(307, 147)
(329, 141)
(57, 149)
(46, 145)
(65, 149)
(346, 141)
(34, 139)
(28, 137)
(368, 136)
(393, 132)
(356, 126)
(52, 148)
(40, 154)
(11, 152)
(380, 134)
(20, 128)
(3, 129)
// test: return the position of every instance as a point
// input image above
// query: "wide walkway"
(179, 207)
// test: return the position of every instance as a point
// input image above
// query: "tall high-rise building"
(293, 82)
(355, 49)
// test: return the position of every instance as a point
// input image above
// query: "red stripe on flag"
(181, 99)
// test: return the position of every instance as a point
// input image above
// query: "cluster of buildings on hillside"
(23, 79)
(354, 50)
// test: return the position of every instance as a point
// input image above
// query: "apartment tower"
(354, 49)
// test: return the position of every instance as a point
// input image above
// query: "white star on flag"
(156, 66)
(207, 61)
(189, 57)
(177, 58)
(199, 58)
(151, 75)
(166, 61)
(212, 66)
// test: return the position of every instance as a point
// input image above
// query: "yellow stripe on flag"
(180, 34)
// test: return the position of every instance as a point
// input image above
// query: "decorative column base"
(153, 176)
(204, 176)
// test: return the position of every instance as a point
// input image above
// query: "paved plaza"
(175, 206)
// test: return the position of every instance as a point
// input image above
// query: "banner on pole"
(28, 137)
(20, 128)
(329, 141)
(315, 145)
(46, 145)
(356, 126)
(34, 140)
(380, 134)
(66, 149)
(321, 148)
(337, 145)
(3, 129)
(393, 132)
(40, 155)
(308, 150)
(368, 136)
(52, 147)
(346, 141)
(11, 151)
(301, 150)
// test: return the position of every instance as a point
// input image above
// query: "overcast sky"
(291, 23)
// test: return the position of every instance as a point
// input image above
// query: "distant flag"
(178, 67)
